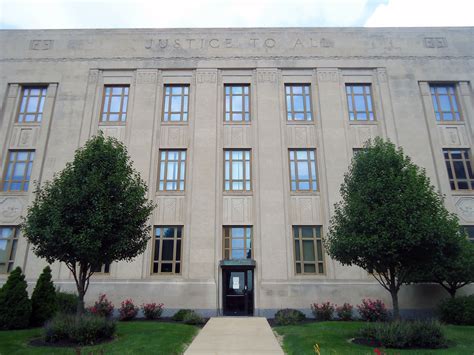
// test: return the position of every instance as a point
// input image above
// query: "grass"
(132, 338)
(332, 338)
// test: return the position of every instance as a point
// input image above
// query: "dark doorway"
(237, 291)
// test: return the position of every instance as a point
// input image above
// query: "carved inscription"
(435, 42)
(41, 44)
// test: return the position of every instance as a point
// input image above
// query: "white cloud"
(401, 13)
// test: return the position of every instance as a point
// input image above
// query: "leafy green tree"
(391, 221)
(15, 306)
(43, 299)
(93, 212)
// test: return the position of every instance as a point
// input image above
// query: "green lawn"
(133, 338)
(332, 338)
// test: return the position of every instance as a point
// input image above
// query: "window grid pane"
(18, 170)
(303, 173)
(172, 170)
(167, 250)
(237, 170)
(31, 104)
(298, 102)
(445, 103)
(237, 103)
(8, 243)
(114, 104)
(176, 101)
(237, 243)
(459, 167)
(359, 102)
(308, 244)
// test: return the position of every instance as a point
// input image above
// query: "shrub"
(102, 307)
(193, 317)
(405, 334)
(66, 302)
(179, 316)
(344, 312)
(289, 316)
(43, 299)
(323, 311)
(128, 310)
(373, 311)
(459, 310)
(86, 329)
(15, 307)
(152, 310)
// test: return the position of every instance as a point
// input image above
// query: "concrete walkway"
(235, 335)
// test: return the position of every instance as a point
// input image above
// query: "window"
(101, 269)
(359, 101)
(114, 106)
(459, 165)
(8, 244)
(176, 103)
(237, 174)
(303, 170)
(298, 102)
(470, 232)
(237, 106)
(237, 243)
(172, 170)
(167, 250)
(18, 170)
(308, 250)
(445, 103)
(31, 104)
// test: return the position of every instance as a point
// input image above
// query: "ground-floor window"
(308, 246)
(237, 242)
(8, 244)
(167, 250)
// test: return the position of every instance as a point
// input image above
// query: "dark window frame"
(467, 164)
(11, 248)
(177, 251)
(298, 250)
(7, 179)
(351, 102)
(228, 106)
(181, 176)
(307, 103)
(168, 99)
(227, 239)
(24, 102)
(107, 101)
(454, 103)
(243, 161)
(311, 163)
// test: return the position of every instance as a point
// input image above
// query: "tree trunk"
(396, 310)
(80, 303)
(452, 292)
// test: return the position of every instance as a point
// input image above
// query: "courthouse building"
(243, 137)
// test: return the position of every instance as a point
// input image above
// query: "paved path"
(235, 335)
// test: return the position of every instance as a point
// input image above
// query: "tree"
(43, 299)
(93, 212)
(391, 221)
(15, 306)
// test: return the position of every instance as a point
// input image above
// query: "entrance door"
(237, 291)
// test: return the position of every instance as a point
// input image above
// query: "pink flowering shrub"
(344, 312)
(323, 311)
(128, 310)
(102, 307)
(152, 310)
(373, 311)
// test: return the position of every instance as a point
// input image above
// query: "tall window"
(303, 176)
(114, 105)
(237, 243)
(460, 171)
(445, 103)
(31, 104)
(237, 105)
(18, 170)
(308, 246)
(167, 250)
(172, 170)
(176, 103)
(359, 101)
(101, 269)
(237, 174)
(8, 244)
(298, 102)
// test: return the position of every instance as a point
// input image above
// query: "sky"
(46, 14)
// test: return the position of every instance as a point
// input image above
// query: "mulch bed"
(273, 323)
(65, 343)
(168, 320)
(377, 344)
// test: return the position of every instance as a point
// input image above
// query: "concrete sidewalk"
(235, 335)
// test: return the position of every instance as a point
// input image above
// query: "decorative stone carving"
(93, 76)
(328, 75)
(266, 76)
(382, 75)
(207, 77)
(25, 137)
(435, 42)
(237, 136)
(237, 211)
(41, 45)
(146, 78)
(13, 91)
(11, 208)
(452, 136)
(465, 206)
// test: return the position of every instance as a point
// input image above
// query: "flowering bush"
(373, 311)
(103, 307)
(344, 312)
(322, 311)
(152, 310)
(128, 310)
